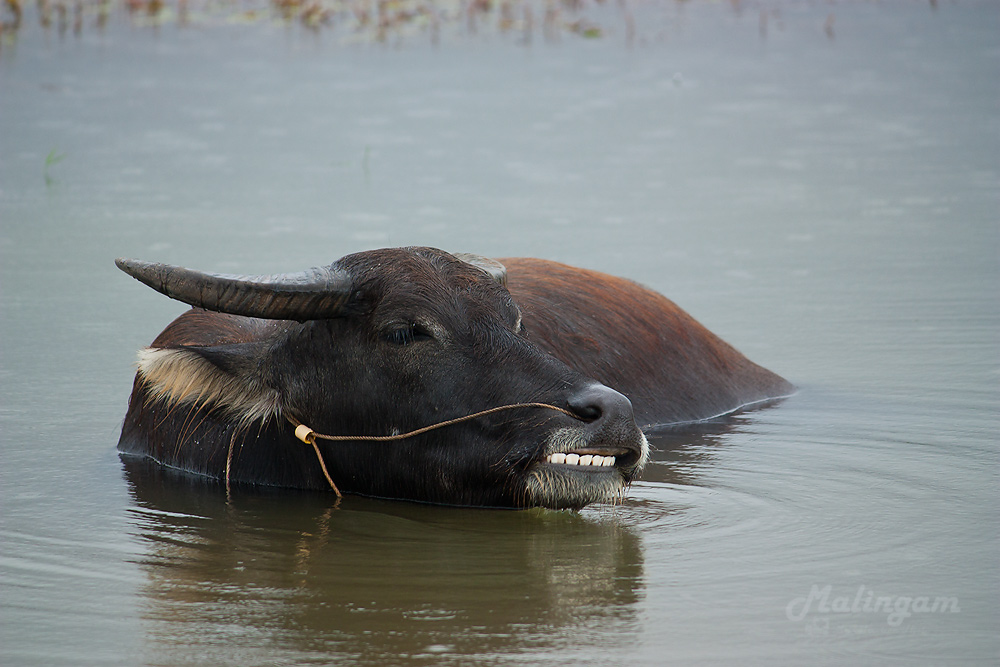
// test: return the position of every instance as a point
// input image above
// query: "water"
(822, 192)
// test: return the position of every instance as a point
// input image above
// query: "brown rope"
(309, 436)
(322, 465)
(229, 458)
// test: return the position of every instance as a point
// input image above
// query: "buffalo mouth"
(592, 460)
(571, 475)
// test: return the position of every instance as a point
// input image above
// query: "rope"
(323, 466)
(309, 436)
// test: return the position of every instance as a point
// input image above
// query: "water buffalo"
(386, 342)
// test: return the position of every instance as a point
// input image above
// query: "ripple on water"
(781, 523)
(689, 513)
(42, 561)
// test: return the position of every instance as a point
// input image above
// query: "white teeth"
(592, 460)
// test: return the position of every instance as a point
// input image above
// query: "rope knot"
(305, 434)
(309, 436)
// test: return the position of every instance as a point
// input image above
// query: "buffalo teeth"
(591, 460)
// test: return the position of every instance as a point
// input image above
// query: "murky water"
(819, 184)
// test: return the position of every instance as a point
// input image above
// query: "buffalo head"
(378, 343)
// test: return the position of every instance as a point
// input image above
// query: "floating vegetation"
(52, 159)
(12, 16)
(348, 20)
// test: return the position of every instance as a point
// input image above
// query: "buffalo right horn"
(318, 293)
(495, 269)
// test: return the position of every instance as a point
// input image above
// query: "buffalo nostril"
(597, 401)
(585, 411)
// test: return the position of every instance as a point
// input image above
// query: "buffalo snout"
(601, 405)
(608, 419)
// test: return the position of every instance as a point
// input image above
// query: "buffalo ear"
(225, 377)
(235, 359)
(495, 269)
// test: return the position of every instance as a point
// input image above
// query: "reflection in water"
(676, 450)
(302, 575)
(306, 576)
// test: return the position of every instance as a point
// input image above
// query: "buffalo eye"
(406, 334)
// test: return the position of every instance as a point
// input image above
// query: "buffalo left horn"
(313, 294)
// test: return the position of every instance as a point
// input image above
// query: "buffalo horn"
(495, 269)
(313, 294)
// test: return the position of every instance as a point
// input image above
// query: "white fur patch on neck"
(184, 377)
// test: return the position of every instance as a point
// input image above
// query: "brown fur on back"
(636, 341)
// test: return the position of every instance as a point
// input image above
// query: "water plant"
(52, 159)
(351, 21)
